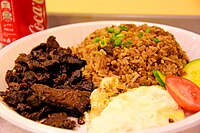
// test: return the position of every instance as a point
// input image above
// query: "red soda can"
(20, 18)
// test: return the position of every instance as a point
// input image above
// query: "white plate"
(71, 35)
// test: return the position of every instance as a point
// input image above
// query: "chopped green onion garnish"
(117, 42)
(122, 27)
(130, 42)
(148, 30)
(127, 44)
(111, 30)
(112, 40)
(156, 40)
(116, 37)
(117, 32)
(103, 42)
(120, 36)
(140, 34)
(97, 39)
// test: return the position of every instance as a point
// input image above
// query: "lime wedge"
(192, 70)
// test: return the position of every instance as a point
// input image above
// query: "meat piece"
(21, 68)
(64, 88)
(12, 76)
(33, 101)
(60, 120)
(60, 54)
(42, 48)
(76, 62)
(29, 77)
(37, 114)
(76, 77)
(22, 59)
(37, 59)
(17, 86)
(2, 93)
(42, 62)
(84, 85)
(46, 47)
(43, 78)
(16, 93)
(13, 97)
(52, 43)
(40, 58)
(87, 85)
(60, 79)
(108, 49)
(23, 107)
(75, 102)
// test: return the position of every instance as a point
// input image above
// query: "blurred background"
(180, 13)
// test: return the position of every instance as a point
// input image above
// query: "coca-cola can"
(20, 18)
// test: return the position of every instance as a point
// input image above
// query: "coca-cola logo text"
(38, 16)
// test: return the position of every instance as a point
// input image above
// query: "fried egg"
(137, 109)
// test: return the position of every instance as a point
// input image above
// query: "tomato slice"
(184, 92)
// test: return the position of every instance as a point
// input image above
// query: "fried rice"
(130, 53)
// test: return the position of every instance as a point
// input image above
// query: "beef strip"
(77, 63)
(84, 85)
(37, 115)
(76, 77)
(75, 101)
(60, 120)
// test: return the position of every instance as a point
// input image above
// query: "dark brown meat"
(46, 47)
(75, 61)
(29, 77)
(12, 76)
(47, 64)
(17, 93)
(84, 85)
(60, 120)
(42, 63)
(76, 77)
(60, 54)
(52, 43)
(108, 49)
(75, 101)
(22, 59)
(37, 115)
(57, 84)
